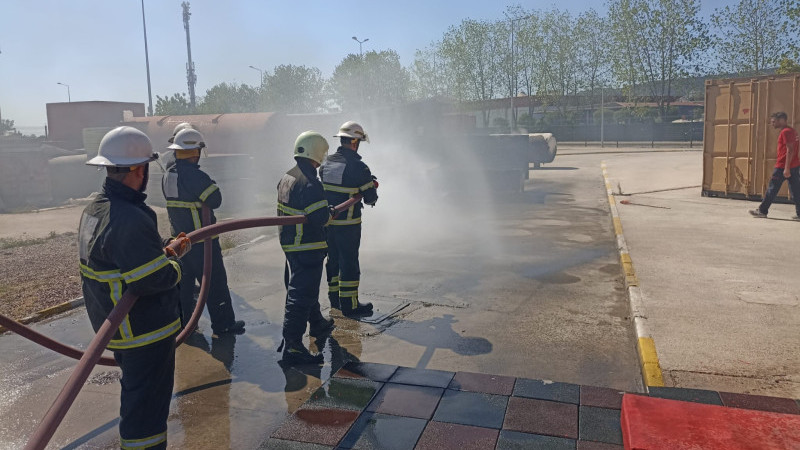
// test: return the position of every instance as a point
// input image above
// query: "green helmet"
(311, 145)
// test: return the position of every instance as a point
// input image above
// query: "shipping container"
(740, 145)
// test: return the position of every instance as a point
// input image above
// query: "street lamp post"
(69, 97)
(513, 68)
(361, 58)
(147, 66)
(360, 50)
(602, 118)
(261, 72)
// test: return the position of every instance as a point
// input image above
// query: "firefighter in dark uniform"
(343, 176)
(120, 249)
(186, 189)
(300, 193)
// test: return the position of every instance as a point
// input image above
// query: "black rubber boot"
(361, 309)
(297, 353)
(320, 328)
(236, 328)
(334, 299)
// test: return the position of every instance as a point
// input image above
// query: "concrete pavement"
(524, 285)
(720, 288)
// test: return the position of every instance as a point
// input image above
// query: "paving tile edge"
(49, 312)
(645, 345)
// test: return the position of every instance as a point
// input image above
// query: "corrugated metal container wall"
(740, 146)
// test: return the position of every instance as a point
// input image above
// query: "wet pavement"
(521, 285)
(375, 406)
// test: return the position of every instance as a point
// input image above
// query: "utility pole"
(361, 58)
(602, 118)
(514, 71)
(147, 64)
(191, 78)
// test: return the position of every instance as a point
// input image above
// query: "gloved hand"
(332, 211)
(178, 246)
(375, 181)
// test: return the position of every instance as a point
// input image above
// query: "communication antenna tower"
(191, 77)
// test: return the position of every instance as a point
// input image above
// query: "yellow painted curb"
(53, 310)
(651, 369)
(645, 345)
(47, 312)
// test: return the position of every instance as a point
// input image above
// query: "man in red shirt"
(788, 149)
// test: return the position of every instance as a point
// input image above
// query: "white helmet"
(179, 127)
(311, 145)
(124, 147)
(188, 139)
(352, 130)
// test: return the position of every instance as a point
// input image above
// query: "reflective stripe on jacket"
(119, 249)
(186, 188)
(300, 195)
(343, 176)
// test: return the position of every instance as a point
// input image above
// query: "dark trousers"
(220, 307)
(342, 269)
(302, 276)
(147, 377)
(775, 184)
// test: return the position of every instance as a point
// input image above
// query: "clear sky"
(96, 46)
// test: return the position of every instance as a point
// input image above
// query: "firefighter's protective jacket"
(300, 193)
(343, 176)
(120, 249)
(186, 188)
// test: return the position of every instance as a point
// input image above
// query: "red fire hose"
(44, 432)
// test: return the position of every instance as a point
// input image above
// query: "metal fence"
(638, 132)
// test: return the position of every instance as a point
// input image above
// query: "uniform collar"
(186, 162)
(113, 188)
(348, 153)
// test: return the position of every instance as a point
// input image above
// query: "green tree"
(229, 98)
(473, 61)
(7, 126)
(658, 41)
(788, 66)
(294, 89)
(752, 35)
(427, 73)
(175, 105)
(378, 79)
(594, 51)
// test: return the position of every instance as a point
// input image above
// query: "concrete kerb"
(645, 345)
(49, 312)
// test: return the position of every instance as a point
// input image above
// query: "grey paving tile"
(471, 408)
(479, 382)
(370, 371)
(514, 440)
(760, 403)
(381, 431)
(599, 424)
(547, 390)
(405, 400)
(686, 395)
(280, 444)
(422, 377)
(589, 445)
(344, 393)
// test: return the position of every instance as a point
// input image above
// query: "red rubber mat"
(652, 423)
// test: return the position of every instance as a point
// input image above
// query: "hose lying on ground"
(45, 430)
